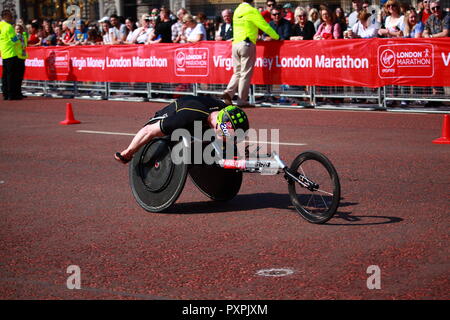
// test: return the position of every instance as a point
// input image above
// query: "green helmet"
(232, 117)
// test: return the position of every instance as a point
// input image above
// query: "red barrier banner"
(367, 63)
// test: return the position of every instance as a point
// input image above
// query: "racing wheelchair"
(157, 181)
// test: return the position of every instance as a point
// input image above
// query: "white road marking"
(132, 134)
(279, 143)
(275, 272)
(107, 132)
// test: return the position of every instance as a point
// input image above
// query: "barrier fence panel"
(91, 90)
(282, 95)
(60, 89)
(214, 89)
(33, 87)
(137, 91)
(168, 91)
(416, 97)
(348, 97)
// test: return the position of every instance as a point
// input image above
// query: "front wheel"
(317, 197)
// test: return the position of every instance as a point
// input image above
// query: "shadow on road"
(249, 202)
(360, 220)
(244, 202)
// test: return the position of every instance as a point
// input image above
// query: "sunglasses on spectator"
(276, 14)
(435, 8)
(270, 4)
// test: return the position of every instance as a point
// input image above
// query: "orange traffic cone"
(445, 139)
(69, 116)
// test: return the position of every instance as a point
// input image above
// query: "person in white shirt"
(120, 30)
(363, 28)
(394, 22)
(353, 17)
(193, 31)
(143, 33)
(130, 24)
(108, 34)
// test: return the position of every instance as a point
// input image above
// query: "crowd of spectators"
(392, 19)
(389, 20)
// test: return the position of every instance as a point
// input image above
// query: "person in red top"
(426, 12)
(329, 29)
(266, 13)
(67, 34)
(35, 36)
(288, 14)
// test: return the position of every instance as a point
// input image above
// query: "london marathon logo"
(192, 62)
(406, 61)
(57, 63)
(387, 58)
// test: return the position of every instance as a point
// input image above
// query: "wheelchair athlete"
(181, 114)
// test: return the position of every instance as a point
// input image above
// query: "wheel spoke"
(311, 197)
(324, 202)
(325, 192)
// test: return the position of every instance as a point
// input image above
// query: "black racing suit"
(184, 111)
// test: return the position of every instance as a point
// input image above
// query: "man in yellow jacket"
(8, 39)
(246, 22)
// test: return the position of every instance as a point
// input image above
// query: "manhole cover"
(275, 272)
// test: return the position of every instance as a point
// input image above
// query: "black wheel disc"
(215, 182)
(156, 182)
(156, 166)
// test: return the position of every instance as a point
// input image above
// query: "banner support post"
(149, 90)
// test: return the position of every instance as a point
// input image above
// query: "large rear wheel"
(217, 183)
(317, 197)
(156, 182)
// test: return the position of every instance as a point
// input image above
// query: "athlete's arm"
(141, 138)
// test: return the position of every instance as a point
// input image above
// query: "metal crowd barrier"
(91, 90)
(137, 91)
(389, 98)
